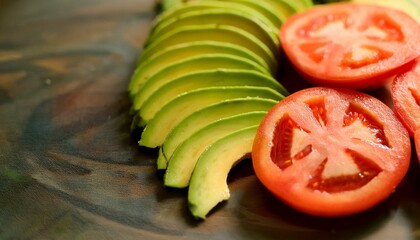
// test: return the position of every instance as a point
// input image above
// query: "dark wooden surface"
(71, 169)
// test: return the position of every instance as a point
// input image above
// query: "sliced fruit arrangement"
(208, 185)
(350, 45)
(199, 119)
(163, 121)
(405, 88)
(204, 92)
(331, 152)
(186, 155)
(202, 85)
(278, 5)
(189, 65)
(181, 52)
(204, 79)
(262, 30)
(405, 93)
(263, 10)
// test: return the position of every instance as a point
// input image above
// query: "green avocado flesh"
(276, 18)
(159, 125)
(248, 7)
(187, 66)
(265, 32)
(208, 185)
(202, 85)
(166, 56)
(296, 5)
(164, 93)
(411, 7)
(283, 7)
(182, 162)
(199, 119)
(212, 32)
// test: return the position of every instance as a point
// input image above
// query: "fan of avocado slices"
(201, 86)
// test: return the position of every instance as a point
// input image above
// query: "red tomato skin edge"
(368, 82)
(401, 114)
(336, 210)
(365, 84)
(417, 143)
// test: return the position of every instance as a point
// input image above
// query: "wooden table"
(71, 169)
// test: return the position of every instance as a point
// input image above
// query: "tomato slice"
(405, 94)
(350, 45)
(417, 143)
(331, 152)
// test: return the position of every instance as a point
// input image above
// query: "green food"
(261, 9)
(204, 79)
(181, 51)
(213, 32)
(199, 119)
(411, 7)
(186, 66)
(172, 113)
(208, 185)
(264, 8)
(264, 31)
(329, 1)
(203, 83)
(182, 162)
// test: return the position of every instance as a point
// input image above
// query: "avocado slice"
(411, 7)
(264, 31)
(166, 5)
(201, 118)
(276, 18)
(208, 185)
(283, 7)
(296, 5)
(212, 32)
(143, 87)
(159, 125)
(182, 162)
(152, 99)
(248, 7)
(177, 52)
(184, 50)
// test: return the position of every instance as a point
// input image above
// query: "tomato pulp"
(350, 45)
(405, 94)
(417, 143)
(331, 152)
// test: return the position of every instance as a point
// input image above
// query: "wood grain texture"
(71, 169)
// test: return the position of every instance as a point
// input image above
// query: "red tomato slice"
(405, 94)
(417, 143)
(331, 152)
(350, 45)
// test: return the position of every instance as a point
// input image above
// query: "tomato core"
(282, 156)
(367, 171)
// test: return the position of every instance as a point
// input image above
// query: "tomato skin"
(324, 56)
(417, 143)
(291, 183)
(405, 94)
